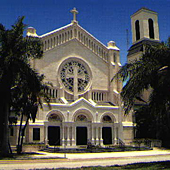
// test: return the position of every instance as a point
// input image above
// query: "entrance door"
(81, 135)
(54, 135)
(107, 135)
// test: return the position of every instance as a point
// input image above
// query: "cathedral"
(85, 104)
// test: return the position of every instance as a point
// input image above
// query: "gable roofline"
(56, 30)
(143, 9)
(69, 25)
(91, 35)
(82, 100)
(74, 31)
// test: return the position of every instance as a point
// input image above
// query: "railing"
(100, 96)
(120, 142)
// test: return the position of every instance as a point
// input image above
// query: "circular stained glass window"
(74, 76)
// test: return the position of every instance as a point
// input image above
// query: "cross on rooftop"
(75, 12)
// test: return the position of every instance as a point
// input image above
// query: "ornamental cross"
(75, 75)
(75, 12)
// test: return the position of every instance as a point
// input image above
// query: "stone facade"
(85, 104)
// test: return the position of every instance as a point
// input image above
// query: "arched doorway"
(54, 131)
(107, 130)
(81, 129)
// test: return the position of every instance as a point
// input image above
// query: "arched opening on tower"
(137, 28)
(151, 28)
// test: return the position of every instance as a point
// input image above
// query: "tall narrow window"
(151, 28)
(36, 133)
(137, 27)
(114, 58)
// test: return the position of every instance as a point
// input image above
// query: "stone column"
(115, 134)
(97, 135)
(46, 135)
(68, 136)
(62, 135)
(100, 136)
(73, 135)
(93, 134)
(112, 134)
(88, 133)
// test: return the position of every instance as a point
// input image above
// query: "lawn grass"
(139, 166)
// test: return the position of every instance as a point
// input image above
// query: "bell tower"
(145, 30)
(144, 24)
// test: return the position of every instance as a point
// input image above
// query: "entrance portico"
(80, 129)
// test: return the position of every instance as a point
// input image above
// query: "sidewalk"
(58, 160)
(105, 155)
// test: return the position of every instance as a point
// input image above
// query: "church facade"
(85, 103)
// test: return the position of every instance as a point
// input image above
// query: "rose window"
(74, 76)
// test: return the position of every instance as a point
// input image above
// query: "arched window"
(107, 119)
(54, 118)
(81, 118)
(137, 28)
(151, 28)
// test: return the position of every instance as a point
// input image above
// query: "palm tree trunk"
(23, 131)
(5, 133)
(5, 99)
(19, 135)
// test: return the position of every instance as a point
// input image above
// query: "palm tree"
(150, 72)
(16, 52)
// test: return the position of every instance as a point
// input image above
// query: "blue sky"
(105, 19)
